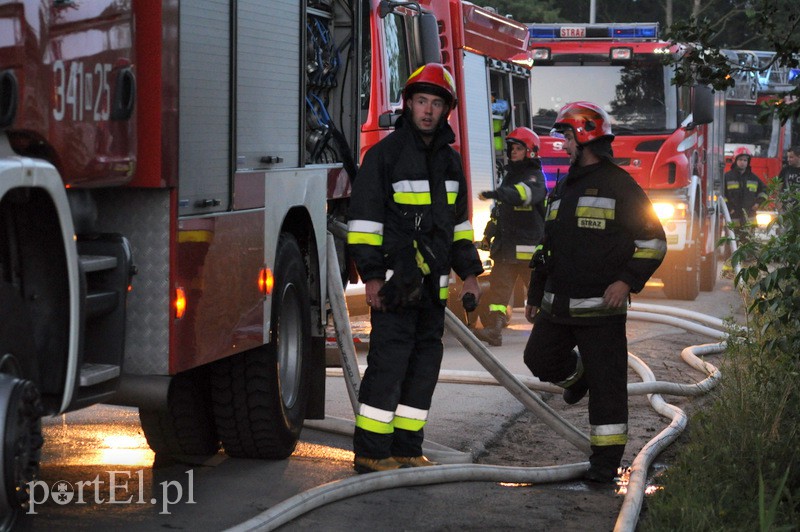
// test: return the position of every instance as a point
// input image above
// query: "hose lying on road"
(304, 502)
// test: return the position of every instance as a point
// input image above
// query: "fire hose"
(521, 388)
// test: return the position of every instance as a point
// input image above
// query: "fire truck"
(168, 175)
(669, 138)
(758, 84)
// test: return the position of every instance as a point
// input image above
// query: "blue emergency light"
(638, 31)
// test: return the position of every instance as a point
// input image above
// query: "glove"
(486, 245)
(488, 194)
(404, 288)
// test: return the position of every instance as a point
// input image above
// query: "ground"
(526, 442)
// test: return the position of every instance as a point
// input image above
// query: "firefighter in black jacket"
(742, 188)
(602, 241)
(408, 227)
(515, 232)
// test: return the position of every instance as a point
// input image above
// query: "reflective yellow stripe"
(752, 186)
(408, 423)
(552, 210)
(412, 198)
(412, 192)
(593, 207)
(497, 308)
(365, 238)
(365, 232)
(370, 425)
(525, 252)
(409, 418)
(613, 434)
(650, 249)
(463, 231)
(444, 287)
(452, 191)
(524, 192)
(421, 264)
(733, 185)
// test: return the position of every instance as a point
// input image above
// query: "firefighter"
(408, 227)
(602, 241)
(513, 234)
(742, 188)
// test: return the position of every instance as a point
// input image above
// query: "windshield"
(638, 95)
(744, 129)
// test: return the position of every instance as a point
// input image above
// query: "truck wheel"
(708, 272)
(683, 281)
(186, 427)
(21, 440)
(260, 395)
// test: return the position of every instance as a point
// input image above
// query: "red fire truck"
(668, 138)
(167, 172)
(762, 84)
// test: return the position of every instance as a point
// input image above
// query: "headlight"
(670, 211)
(764, 218)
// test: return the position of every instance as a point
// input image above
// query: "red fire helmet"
(588, 121)
(432, 78)
(525, 136)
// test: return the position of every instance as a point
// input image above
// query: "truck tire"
(17, 349)
(20, 447)
(683, 281)
(260, 396)
(708, 272)
(186, 426)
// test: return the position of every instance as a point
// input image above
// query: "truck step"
(97, 263)
(92, 374)
(101, 303)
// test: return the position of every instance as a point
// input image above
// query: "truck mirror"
(429, 38)
(387, 119)
(702, 105)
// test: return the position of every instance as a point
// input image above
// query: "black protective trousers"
(604, 353)
(405, 354)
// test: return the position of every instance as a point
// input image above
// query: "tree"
(772, 25)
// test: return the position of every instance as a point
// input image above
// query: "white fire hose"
(520, 387)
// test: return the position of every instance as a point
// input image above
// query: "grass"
(739, 469)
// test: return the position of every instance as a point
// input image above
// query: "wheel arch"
(39, 261)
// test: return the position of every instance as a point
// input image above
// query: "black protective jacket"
(600, 227)
(518, 226)
(409, 193)
(742, 191)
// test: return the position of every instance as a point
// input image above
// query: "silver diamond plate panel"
(142, 215)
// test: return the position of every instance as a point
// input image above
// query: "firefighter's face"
(793, 159)
(426, 111)
(518, 151)
(741, 162)
(571, 145)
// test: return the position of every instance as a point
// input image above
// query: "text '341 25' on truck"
(669, 138)
(167, 174)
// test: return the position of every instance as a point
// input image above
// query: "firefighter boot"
(415, 461)
(362, 464)
(493, 334)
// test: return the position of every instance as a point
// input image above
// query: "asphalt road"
(97, 472)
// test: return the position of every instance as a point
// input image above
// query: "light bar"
(639, 31)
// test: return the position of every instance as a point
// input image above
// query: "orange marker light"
(266, 281)
(180, 302)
